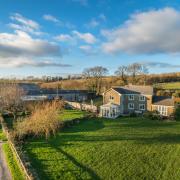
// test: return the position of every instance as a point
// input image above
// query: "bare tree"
(10, 97)
(136, 69)
(94, 77)
(122, 72)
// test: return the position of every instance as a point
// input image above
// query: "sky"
(60, 37)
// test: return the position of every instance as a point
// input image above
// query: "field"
(72, 114)
(171, 86)
(125, 148)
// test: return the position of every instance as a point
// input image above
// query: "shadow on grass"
(72, 135)
(85, 125)
(72, 159)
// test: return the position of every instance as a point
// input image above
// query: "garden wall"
(82, 106)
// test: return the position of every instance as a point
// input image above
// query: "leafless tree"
(10, 97)
(136, 69)
(94, 77)
(122, 72)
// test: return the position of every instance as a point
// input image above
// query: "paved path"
(4, 170)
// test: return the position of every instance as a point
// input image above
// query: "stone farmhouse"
(134, 99)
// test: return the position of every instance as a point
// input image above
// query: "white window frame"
(142, 98)
(129, 105)
(131, 97)
(163, 110)
(141, 108)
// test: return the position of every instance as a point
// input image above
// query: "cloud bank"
(152, 32)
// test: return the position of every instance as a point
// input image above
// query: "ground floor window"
(131, 106)
(162, 110)
(142, 107)
(109, 111)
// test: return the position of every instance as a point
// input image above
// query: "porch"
(110, 110)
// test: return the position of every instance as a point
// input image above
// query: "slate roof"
(35, 90)
(134, 89)
(163, 100)
(54, 91)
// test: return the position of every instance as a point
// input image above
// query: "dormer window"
(142, 98)
(131, 97)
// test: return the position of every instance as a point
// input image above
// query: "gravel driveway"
(4, 170)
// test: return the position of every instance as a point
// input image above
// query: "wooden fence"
(27, 173)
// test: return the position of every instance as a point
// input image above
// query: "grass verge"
(15, 169)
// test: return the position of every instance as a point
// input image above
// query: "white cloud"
(21, 43)
(102, 17)
(87, 37)
(28, 22)
(19, 49)
(18, 62)
(92, 24)
(24, 24)
(88, 50)
(64, 38)
(49, 17)
(156, 31)
(160, 65)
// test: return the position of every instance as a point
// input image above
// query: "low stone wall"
(29, 174)
(82, 106)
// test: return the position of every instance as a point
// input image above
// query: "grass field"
(16, 172)
(72, 114)
(2, 136)
(173, 85)
(125, 148)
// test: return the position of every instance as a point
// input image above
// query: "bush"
(133, 114)
(44, 121)
(153, 115)
(177, 114)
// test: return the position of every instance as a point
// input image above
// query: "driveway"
(4, 170)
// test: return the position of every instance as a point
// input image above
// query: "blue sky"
(56, 37)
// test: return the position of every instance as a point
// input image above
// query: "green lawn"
(173, 85)
(125, 148)
(16, 172)
(2, 136)
(72, 114)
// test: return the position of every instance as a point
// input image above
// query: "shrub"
(153, 115)
(133, 114)
(44, 121)
(177, 114)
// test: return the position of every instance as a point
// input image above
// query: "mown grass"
(66, 115)
(172, 85)
(2, 135)
(125, 148)
(16, 171)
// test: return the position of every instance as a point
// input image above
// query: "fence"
(82, 106)
(27, 174)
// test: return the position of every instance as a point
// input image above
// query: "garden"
(97, 148)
